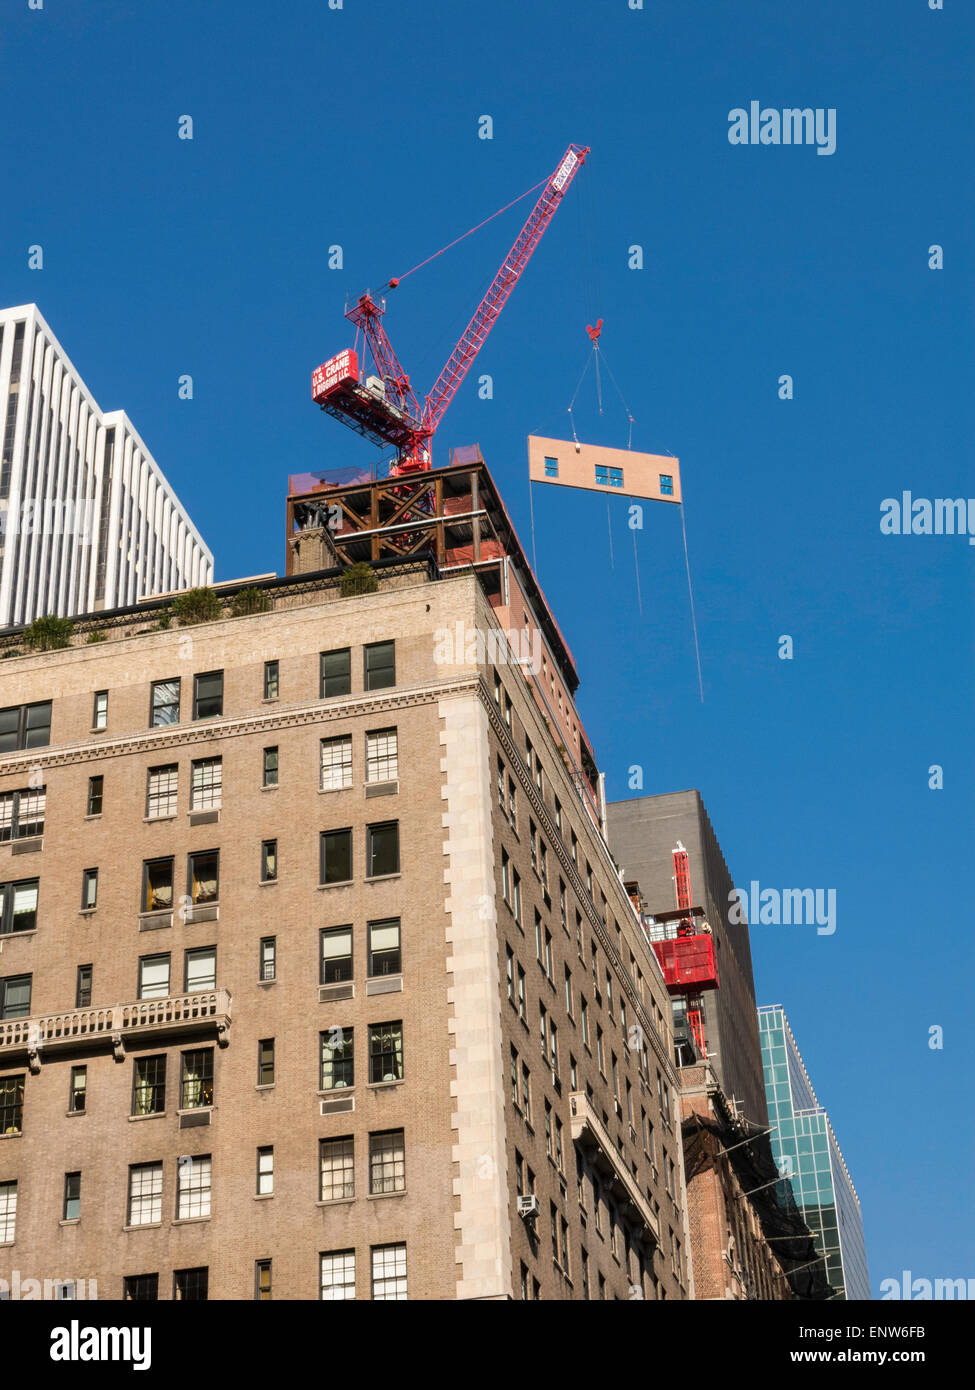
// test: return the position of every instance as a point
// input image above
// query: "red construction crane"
(382, 405)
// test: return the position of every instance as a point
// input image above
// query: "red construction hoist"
(381, 405)
(688, 960)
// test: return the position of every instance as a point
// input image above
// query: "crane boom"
(472, 340)
(384, 407)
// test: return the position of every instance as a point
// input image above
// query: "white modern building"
(87, 519)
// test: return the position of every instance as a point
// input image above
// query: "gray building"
(643, 833)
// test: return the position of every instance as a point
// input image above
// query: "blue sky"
(359, 128)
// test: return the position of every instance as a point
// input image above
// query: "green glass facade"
(806, 1151)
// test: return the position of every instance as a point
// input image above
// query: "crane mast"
(382, 405)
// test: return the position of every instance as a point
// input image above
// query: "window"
(336, 670)
(157, 885)
(388, 1273)
(568, 991)
(96, 791)
(140, 1288)
(71, 1210)
(265, 1171)
(8, 1211)
(15, 996)
(609, 477)
(162, 791)
(338, 1275)
(516, 896)
(337, 1157)
(336, 957)
(206, 784)
(268, 958)
(382, 761)
(336, 856)
(584, 1019)
(78, 1093)
(563, 914)
(501, 800)
(269, 861)
(203, 876)
(512, 806)
(386, 1051)
(385, 955)
(666, 484)
(387, 1162)
(509, 962)
(526, 1092)
(533, 843)
(11, 1104)
(164, 705)
(25, 726)
(551, 468)
(380, 665)
(588, 878)
(149, 1085)
(265, 1062)
(22, 813)
(262, 1281)
(89, 890)
(18, 906)
(154, 977)
(600, 1057)
(99, 715)
(270, 680)
(269, 767)
(538, 935)
(573, 1073)
(190, 1284)
(522, 1003)
(543, 864)
(338, 1060)
(574, 847)
(83, 987)
(193, 1188)
(200, 970)
(208, 695)
(549, 968)
(336, 764)
(558, 815)
(196, 1089)
(382, 849)
(145, 1194)
(506, 877)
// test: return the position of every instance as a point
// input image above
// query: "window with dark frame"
(12, 1103)
(77, 1094)
(200, 970)
(338, 1275)
(203, 876)
(337, 1168)
(18, 906)
(191, 1284)
(388, 1273)
(83, 989)
(385, 954)
(269, 861)
(22, 814)
(206, 784)
(162, 791)
(265, 1171)
(268, 957)
(140, 1288)
(382, 760)
(338, 1059)
(336, 856)
(196, 1084)
(99, 713)
(386, 1051)
(262, 1281)
(145, 1194)
(157, 885)
(379, 665)
(25, 726)
(336, 763)
(208, 695)
(336, 673)
(164, 703)
(193, 1188)
(265, 1062)
(269, 767)
(336, 955)
(154, 976)
(96, 793)
(15, 991)
(382, 849)
(71, 1210)
(271, 685)
(387, 1162)
(149, 1085)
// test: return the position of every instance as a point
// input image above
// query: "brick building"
(317, 978)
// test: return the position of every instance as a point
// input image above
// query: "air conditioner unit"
(528, 1208)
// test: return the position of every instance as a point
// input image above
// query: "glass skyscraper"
(806, 1151)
